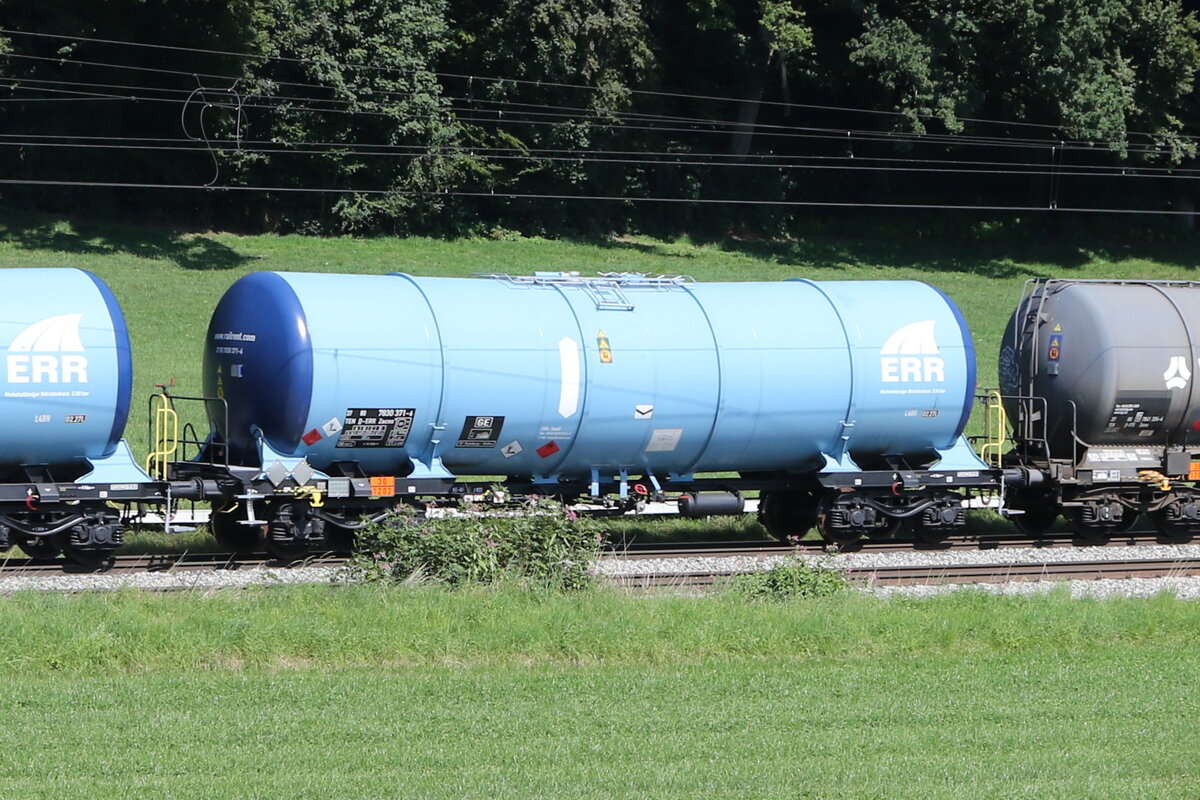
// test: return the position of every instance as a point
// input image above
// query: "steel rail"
(961, 574)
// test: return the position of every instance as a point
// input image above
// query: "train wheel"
(788, 516)
(1036, 521)
(41, 548)
(91, 542)
(1087, 531)
(339, 540)
(925, 533)
(86, 556)
(1172, 528)
(844, 524)
(227, 528)
(293, 532)
(842, 537)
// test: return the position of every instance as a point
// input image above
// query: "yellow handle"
(314, 495)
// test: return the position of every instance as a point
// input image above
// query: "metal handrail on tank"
(607, 289)
(1033, 316)
(174, 447)
(995, 429)
(164, 434)
(1031, 414)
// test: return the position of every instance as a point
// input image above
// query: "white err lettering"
(18, 369)
(74, 369)
(903, 369)
(47, 369)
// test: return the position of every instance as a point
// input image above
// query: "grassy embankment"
(361, 692)
(168, 283)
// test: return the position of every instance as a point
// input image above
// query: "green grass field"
(360, 692)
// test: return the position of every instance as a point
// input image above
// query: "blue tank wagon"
(843, 402)
(68, 378)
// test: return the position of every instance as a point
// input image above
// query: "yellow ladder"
(995, 429)
(164, 437)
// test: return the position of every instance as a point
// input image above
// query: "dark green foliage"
(459, 116)
(75, 88)
(1097, 69)
(354, 82)
(570, 65)
(543, 543)
(787, 580)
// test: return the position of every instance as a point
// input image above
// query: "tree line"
(578, 116)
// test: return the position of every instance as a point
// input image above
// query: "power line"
(723, 127)
(592, 198)
(304, 149)
(718, 128)
(563, 85)
(367, 149)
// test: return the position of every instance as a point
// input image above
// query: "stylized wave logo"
(910, 355)
(52, 335)
(914, 339)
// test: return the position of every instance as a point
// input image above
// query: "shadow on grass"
(187, 250)
(991, 249)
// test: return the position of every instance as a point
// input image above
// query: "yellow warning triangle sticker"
(1058, 328)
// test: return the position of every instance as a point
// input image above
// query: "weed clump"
(788, 579)
(542, 543)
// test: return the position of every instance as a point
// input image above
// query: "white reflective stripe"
(568, 393)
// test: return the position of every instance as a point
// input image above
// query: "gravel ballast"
(167, 580)
(615, 567)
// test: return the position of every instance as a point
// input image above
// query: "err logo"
(911, 354)
(33, 355)
(1177, 373)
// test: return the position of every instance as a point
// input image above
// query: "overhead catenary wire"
(549, 83)
(592, 198)
(510, 108)
(508, 112)
(206, 147)
(572, 154)
(510, 104)
(722, 127)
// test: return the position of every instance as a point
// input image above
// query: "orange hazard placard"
(383, 486)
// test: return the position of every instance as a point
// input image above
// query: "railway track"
(898, 575)
(962, 574)
(970, 541)
(164, 562)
